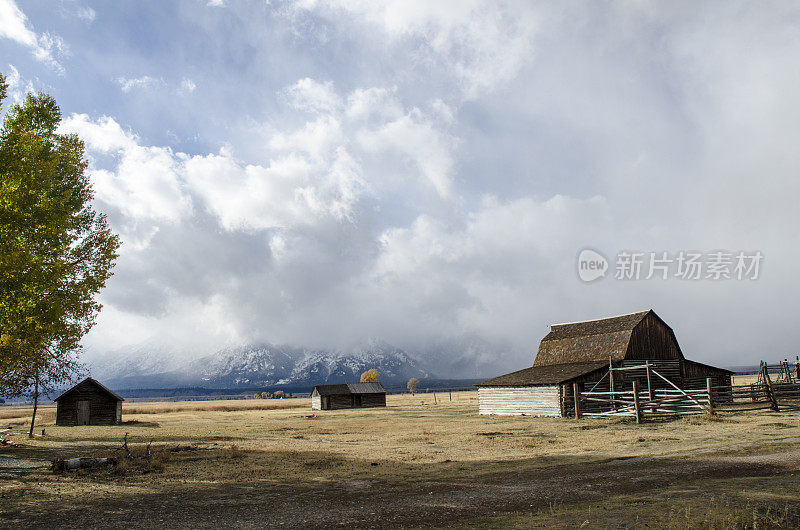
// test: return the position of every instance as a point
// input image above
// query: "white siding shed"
(520, 401)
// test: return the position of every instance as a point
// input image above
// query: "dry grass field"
(377, 465)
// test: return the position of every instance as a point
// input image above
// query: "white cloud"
(187, 86)
(14, 25)
(433, 168)
(483, 43)
(17, 86)
(317, 138)
(366, 103)
(85, 13)
(312, 96)
(421, 142)
(127, 84)
(143, 182)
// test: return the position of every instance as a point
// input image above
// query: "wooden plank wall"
(651, 339)
(695, 374)
(341, 401)
(102, 408)
(349, 401)
(373, 400)
(316, 402)
(519, 401)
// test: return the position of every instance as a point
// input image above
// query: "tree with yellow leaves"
(370, 376)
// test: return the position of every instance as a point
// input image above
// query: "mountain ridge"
(256, 365)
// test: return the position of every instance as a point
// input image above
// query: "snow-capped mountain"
(261, 365)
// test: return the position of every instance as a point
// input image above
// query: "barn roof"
(596, 327)
(97, 384)
(350, 388)
(552, 374)
(589, 340)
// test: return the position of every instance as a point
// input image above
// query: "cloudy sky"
(319, 173)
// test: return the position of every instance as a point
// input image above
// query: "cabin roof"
(551, 374)
(94, 382)
(349, 388)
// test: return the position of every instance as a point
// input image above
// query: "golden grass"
(748, 379)
(23, 413)
(223, 405)
(283, 441)
(413, 429)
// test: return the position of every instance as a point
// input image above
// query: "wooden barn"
(348, 396)
(580, 355)
(88, 403)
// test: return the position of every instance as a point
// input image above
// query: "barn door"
(326, 402)
(83, 412)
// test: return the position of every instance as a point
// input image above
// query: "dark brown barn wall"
(695, 375)
(652, 339)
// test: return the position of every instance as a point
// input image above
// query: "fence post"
(710, 395)
(636, 401)
(768, 386)
(576, 398)
(650, 390)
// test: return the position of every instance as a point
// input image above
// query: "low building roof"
(94, 382)
(551, 374)
(704, 365)
(349, 388)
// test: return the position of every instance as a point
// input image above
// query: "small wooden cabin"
(348, 396)
(582, 352)
(88, 403)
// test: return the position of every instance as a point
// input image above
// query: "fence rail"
(783, 392)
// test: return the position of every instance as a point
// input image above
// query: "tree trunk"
(35, 402)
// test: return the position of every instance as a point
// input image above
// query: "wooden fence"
(641, 404)
(781, 394)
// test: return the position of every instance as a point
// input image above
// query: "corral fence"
(777, 388)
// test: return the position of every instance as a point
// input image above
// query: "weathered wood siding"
(342, 401)
(652, 339)
(695, 374)
(103, 409)
(373, 400)
(349, 401)
(520, 401)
